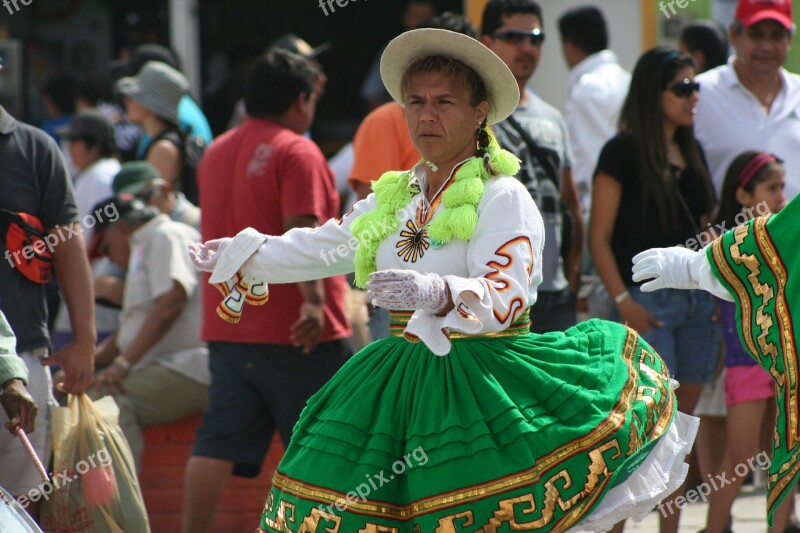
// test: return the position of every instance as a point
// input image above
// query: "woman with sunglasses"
(651, 186)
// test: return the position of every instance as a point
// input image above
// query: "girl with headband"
(753, 186)
(755, 266)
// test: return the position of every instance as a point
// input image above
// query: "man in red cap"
(749, 104)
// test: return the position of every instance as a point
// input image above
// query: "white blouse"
(492, 278)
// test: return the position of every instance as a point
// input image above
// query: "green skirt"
(759, 265)
(527, 432)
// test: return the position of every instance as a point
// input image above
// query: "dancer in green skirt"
(756, 266)
(462, 420)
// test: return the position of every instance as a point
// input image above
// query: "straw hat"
(416, 44)
(158, 87)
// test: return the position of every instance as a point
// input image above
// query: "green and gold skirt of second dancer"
(758, 264)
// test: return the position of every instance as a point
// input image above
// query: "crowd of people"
(481, 225)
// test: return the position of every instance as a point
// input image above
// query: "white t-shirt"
(91, 186)
(597, 89)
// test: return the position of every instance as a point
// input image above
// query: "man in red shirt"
(264, 174)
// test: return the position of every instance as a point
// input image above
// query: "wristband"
(621, 297)
(123, 363)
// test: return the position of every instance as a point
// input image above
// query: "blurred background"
(216, 40)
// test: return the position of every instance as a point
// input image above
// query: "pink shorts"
(747, 384)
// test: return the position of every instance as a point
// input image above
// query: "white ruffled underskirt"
(661, 473)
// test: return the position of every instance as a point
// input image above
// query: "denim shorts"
(688, 342)
(255, 390)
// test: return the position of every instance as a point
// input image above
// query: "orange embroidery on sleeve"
(517, 303)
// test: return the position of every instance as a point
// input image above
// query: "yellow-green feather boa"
(458, 216)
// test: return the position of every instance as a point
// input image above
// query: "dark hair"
(642, 118)
(451, 21)
(431, 3)
(729, 206)
(495, 10)
(108, 147)
(61, 90)
(93, 91)
(275, 81)
(461, 74)
(584, 27)
(708, 37)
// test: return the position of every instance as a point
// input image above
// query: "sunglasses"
(517, 37)
(684, 88)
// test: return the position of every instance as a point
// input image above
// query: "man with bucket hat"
(749, 104)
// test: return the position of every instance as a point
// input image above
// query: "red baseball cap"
(750, 12)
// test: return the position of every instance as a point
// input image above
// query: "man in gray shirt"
(537, 134)
(35, 182)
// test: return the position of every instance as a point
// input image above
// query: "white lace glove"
(205, 255)
(407, 290)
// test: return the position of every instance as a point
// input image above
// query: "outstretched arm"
(677, 268)
(300, 254)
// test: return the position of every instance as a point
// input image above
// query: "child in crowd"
(753, 186)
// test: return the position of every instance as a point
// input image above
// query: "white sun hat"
(501, 84)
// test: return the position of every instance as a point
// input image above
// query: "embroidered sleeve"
(303, 254)
(504, 262)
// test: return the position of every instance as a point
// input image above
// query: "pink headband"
(752, 168)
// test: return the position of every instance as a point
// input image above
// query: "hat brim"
(424, 42)
(769, 14)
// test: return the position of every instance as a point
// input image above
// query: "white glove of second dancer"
(669, 268)
(677, 268)
(405, 290)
